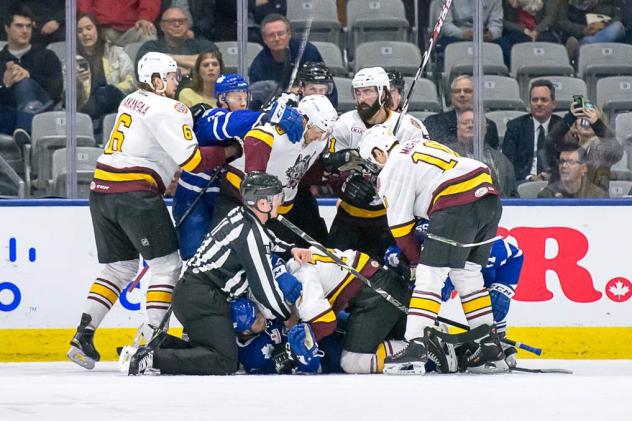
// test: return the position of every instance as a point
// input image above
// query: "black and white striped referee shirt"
(235, 257)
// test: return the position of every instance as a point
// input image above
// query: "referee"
(233, 259)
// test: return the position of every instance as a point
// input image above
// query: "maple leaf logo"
(619, 289)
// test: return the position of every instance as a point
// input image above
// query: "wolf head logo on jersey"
(296, 171)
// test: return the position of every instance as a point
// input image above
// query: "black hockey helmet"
(259, 185)
(316, 72)
(396, 80)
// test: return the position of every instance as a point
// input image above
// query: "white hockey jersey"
(327, 287)
(422, 177)
(151, 138)
(347, 133)
(267, 148)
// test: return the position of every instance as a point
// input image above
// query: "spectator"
(459, 22)
(525, 139)
(502, 169)
(226, 13)
(208, 66)
(203, 18)
(124, 21)
(442, 126)
(277, 58)
(31, 78)
(176, 41)
(525, 21)
(181, 4)
(106, 75)
(587, 22)
(573, 183)
(587, 127)
(50, 18)
(626, 12)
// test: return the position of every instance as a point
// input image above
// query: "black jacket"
(518, 144)
(442, 128)
(44, 67)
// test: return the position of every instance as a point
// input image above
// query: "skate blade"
(125, 358)
(414, 368)
(496, 367)
(78, 357)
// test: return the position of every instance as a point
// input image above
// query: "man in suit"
(442, 127)
(525, 139)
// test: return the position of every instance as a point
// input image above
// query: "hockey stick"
(388, 297)
(433, 40)
(458, 244)
(199, 196)
(301, 51)
(542, 370)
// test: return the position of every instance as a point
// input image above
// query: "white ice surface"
(599, 390)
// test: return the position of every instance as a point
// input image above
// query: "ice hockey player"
(397, 88)
(427, 180)
(500, 275)
(152, 138)
(224, 125)
(269, 346)
(360, 222)
(234, 259)
(314, 78)
(268, 148)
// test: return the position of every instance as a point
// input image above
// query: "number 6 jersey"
(151, 138)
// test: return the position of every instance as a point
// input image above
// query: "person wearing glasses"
(573, 183)
(177, 41)
(442, 126)
(276, 60)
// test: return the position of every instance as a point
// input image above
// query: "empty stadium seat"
(619, 188)
(86, 162)
(623, 130)
(620, 170)
(530, 189)
(459, 59)
(132, 50)
(425, 97)
(11, 185)
(48, 135)
(325, 23)
(531, 59)
(10, 151)
(403, 57)
(230, 54)
(421, 115)
(614, 94)
(261, 92)
(501, 118)
(565, 88)
(59, 48)
(332, 57)
(108, 125)
(376, 20)
(501, 93)
(346, 102)
(603, 59)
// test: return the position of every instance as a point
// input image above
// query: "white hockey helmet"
(152, 63)
(378, 137)
(371, 76)
(319, 112)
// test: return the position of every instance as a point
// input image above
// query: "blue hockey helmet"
(230, 82)
(244, 314)
(420, 230)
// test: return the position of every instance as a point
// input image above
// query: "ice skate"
(410, 360)
(82, 350)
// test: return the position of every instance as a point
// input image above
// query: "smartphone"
(82, 63)
(578, 101)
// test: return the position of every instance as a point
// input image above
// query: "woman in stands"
(105, 73)
(587, 126)
(208, 67)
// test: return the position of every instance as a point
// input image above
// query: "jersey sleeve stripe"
(193, 161)
(402, 230)
(262, 136)
(362, 213)
(284, 209)
(234, 179)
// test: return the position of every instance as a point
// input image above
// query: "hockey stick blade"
(541, 370)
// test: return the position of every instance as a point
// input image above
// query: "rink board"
(573, 300)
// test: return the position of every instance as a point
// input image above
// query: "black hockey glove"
(198, 109)
(284, 361)
(344, 160)
(358, 191)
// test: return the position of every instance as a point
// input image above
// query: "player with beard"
(360, 222)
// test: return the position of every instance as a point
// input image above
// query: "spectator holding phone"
(585, 125)
(105, 73)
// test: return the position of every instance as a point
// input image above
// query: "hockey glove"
(302, 343)
(288, 118)
(344, 160)
(391, 257)
(501, 299)
(358, 191)
(198, 110)
(290, 286)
